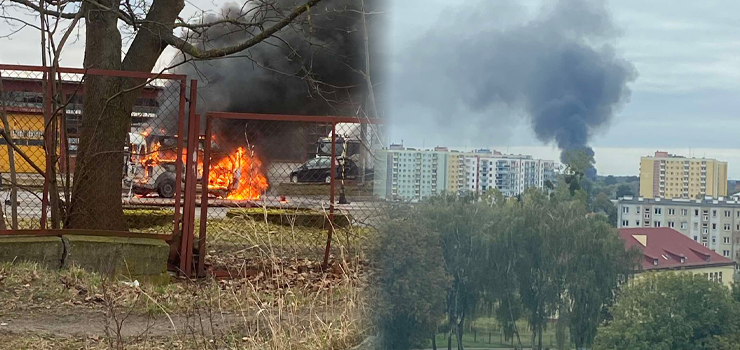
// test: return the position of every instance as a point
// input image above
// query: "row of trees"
(537, 257)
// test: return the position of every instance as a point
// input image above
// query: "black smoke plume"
(491, 62)
(309, 68)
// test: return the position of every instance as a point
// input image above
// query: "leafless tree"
(108, 101)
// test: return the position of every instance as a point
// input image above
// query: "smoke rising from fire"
(492, 61)
(308, 68)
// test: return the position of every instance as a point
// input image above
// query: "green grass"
(480, 337)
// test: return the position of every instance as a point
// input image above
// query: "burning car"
(150, 167)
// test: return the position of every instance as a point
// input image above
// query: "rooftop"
(706, 201)
(661, 154)
(665, 248)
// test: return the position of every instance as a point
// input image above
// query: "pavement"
(367, 212)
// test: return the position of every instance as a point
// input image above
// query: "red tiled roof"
(668, 247)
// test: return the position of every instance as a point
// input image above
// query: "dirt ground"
(75, 309)
(94, 323)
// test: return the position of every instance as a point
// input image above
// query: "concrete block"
(46, 251)
(134, 258)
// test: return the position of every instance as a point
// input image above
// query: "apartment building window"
(684, 225)
(696, 238)
(728, 213)
(684, 212)
(714, 239)
(725, 253)
(720, 273)
(637, 209)
(737, 214)
(706, 217)
(658, 211)
(671, 211)
(696, 226)
(696, 212)
(705, 231)
(626, 209)
(726, 240)
(714, 226)
(625, 223)
(656, 223)
(727, 227)
(671, 224)
(714, 213)
(637, 222)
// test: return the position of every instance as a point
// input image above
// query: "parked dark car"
(319, 170)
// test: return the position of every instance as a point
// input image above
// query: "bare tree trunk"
(434, 340)
(107, 109)
(11, 165)
(539, 340)
(104, 123)
(460, 331)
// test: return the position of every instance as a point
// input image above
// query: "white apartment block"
(715, 223)
(509, 174)
(407, 173)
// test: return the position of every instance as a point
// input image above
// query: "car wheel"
(294, 179)
(327, 179)
(166, 189)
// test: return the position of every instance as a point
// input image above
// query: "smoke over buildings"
(308, 68)
(494, 62)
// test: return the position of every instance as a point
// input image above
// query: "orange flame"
(239, 174)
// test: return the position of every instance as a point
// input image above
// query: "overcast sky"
(685, 96)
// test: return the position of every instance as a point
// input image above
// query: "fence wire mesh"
(43, 111)
(293, 187)
(277, 174)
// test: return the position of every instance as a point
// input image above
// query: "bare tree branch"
(191, 50)
(37, 8)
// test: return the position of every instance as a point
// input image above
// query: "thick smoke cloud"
(308, 68)
(557, 69)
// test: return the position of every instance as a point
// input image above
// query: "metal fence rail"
(304, 187)
(222, 188)
(41, 118)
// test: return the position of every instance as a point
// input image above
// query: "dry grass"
(254, 313)
(282, 298)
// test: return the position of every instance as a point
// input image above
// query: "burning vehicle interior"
(150, 167)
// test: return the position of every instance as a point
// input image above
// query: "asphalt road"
(365, 212)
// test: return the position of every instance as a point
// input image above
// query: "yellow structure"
(26, 130)
(454, 173)
(669, 176)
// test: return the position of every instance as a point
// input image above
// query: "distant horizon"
(612, 160)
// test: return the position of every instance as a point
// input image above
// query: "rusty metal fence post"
(331, 193)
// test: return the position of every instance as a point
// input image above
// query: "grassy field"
(485, 328)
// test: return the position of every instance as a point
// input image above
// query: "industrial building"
(670, 176)
(24, 100)
(414, 174)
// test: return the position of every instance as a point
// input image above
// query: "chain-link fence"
(123, 158)
(289, 186)
(299, 187)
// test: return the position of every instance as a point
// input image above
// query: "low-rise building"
(666, 250)
(713, 223)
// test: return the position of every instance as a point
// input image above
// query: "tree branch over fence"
(191, 50)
